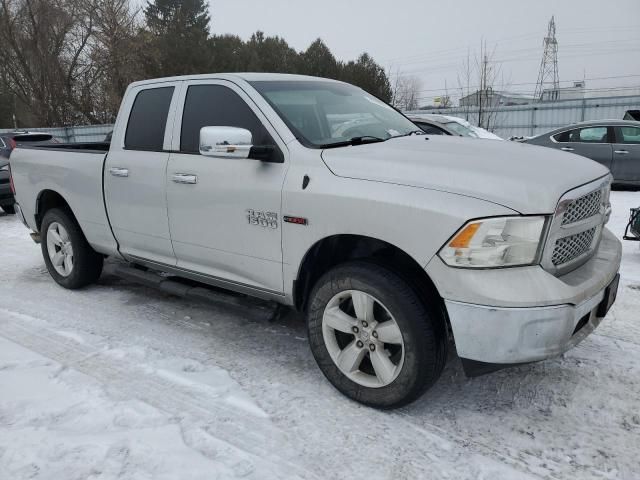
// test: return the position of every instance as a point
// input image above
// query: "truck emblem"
(262, 219)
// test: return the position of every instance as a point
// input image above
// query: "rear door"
(226, 224)
(594, 142)
(626, 154)
(135, 172)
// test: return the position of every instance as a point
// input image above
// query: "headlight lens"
(495, 242)
(5, 167)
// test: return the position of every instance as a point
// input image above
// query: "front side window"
(217, 106)
(630, 134)
(322, 114)
(148, 119)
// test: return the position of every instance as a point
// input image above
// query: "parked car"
(447, 125)
(612, 143)
(8, 142)
(387, 240)
(6, 196)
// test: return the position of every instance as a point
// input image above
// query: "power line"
(417, 58)
(575, 48)
(613, 77)
(520, 58)
(530, 93)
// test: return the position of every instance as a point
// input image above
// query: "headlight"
(496, 242)
(6, 167)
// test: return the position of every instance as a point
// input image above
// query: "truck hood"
(524, 178)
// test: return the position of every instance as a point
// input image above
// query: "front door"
(225, 214)
(135, 173)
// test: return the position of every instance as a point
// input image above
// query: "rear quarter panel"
(77, 177)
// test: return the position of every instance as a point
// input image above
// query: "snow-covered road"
(123, 381)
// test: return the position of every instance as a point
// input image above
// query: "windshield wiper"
(412, 132)
(355, 141)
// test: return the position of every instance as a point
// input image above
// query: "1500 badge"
(262, 219)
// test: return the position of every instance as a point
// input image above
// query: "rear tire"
(9, 209)
(394, 355)
(69, 258)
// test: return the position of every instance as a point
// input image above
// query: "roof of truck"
(246, 76)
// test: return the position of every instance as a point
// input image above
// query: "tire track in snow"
(247, 435)
(216, 427)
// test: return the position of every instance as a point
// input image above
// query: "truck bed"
(73, 171)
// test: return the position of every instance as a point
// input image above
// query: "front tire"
(70, 260)
(373, 337)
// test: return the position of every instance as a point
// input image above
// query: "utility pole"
(548, 77)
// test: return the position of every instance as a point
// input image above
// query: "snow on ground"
(123, 381)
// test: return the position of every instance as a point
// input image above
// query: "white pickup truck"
(317, 195)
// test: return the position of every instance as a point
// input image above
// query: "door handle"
(567, 149)
(119, 172)
(621, 152)
(185, 178)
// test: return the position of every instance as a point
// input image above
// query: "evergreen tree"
(368, 75)
(318, 61)
(270, 54)
(176, 36)
(227, 53)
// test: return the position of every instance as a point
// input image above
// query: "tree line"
(68, 62)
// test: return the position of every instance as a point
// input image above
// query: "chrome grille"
(576, 227)
(568, 248)
(583, 207)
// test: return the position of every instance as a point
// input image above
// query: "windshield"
(323, 114)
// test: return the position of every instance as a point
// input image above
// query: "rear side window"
(148, 119)
(217, 106)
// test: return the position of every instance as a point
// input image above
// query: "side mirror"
(225, 142)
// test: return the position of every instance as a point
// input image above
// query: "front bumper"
(543, 317)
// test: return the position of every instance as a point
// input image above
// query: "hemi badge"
(296, 220)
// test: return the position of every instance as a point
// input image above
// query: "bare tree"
(406, 92)
(464, 82)
(484, 72)
(488, 72)
(68, 61)
(114, 51)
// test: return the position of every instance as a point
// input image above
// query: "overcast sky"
(430, 39)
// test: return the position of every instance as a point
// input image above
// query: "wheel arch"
(337, 249)
(46, 200)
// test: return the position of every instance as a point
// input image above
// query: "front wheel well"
(48, 199)
(335, 250)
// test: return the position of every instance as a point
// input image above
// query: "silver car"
(613, 143)
(433, 124)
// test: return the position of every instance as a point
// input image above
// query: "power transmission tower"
(548, 77)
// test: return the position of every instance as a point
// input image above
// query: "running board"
(185, 289)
